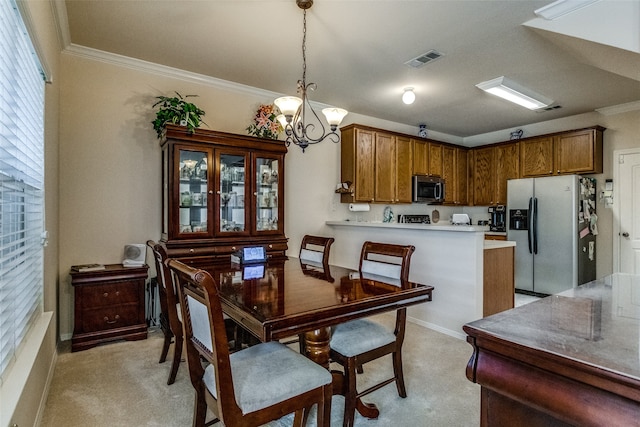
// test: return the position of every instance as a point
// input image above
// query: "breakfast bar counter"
(449, 256)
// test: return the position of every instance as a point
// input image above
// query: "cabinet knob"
(233, 248)
(191, 250)
(218, 192)
(106, 294)
(211, 192)
(255, 194)
(270, 246)
(111, 322)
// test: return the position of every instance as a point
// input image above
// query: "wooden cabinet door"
(462, 176)
(449, 173)
(404, 161)
(385, 168)
(420, 157)
(507, 166)
(435, 159)
(483, 176)
(536, 157)
(364, 165)
(577, 152)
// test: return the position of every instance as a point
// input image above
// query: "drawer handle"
(111, 322)
(106, 294)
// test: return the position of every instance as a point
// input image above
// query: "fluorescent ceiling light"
(512, 91)
(561, 7)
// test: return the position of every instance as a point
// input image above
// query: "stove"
(414, 219)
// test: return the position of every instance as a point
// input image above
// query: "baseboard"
(437, 328)
(45, 393)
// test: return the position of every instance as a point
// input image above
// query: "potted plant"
(178, 111)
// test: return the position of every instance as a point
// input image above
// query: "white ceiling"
(356, 52)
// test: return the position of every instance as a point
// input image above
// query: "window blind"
(21, 183)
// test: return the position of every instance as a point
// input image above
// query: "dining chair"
(362, 340)
(314, 250)
(314, 261)
(250, 387)
(170, 315)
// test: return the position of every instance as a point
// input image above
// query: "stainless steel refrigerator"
(553, 222)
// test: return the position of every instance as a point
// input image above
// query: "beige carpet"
(122, 384)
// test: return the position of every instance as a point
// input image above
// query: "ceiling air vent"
(421, 60)
(549, 108)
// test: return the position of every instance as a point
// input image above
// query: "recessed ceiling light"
(512, 91)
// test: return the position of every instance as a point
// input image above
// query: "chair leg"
(177, 358)
(350, 392)
(397, 371)
(324, 413)
(165, 346)
(199, 411)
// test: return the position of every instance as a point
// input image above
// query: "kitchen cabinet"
(498, 291)
(435, 158)
(462, 177)
(571, 152)
(378, 163)
(221, 192)
(492, 167)
(108, 305)
(483, 175)
(420, 157)
(507, 166)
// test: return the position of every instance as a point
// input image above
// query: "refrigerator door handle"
(529, 228)
(534, 223)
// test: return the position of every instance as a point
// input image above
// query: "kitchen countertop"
(497, 244)
(429, 227)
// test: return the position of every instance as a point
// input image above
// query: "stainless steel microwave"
(427, 189)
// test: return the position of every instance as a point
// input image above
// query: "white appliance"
(552, 221)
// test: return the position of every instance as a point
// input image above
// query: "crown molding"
(165, 71)
(619, 109)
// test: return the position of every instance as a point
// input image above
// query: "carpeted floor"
(122, 384)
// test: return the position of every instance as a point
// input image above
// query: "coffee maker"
(497, 218)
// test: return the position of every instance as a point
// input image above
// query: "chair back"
(386, 262)
(314, 250)
(205, 333)
(166, 287)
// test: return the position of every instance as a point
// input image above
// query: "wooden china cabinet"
(221, 192)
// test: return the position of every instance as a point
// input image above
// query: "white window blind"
(21, 182)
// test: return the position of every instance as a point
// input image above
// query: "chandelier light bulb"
(408, 96)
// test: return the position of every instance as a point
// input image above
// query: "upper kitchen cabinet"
(420, 157)
(221, 192)
(435, 158)
(462, 177)
(483, 175)
(578, 151)
(455, 172)
(507, 166)
(379, 165)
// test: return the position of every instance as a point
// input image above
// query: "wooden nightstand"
(109, 305)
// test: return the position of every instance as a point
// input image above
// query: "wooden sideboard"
(109, 305)
(566, 360)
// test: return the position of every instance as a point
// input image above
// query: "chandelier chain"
(304, 47)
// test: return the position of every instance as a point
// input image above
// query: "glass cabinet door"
(193, 191)
(267, 171)
(232, 193)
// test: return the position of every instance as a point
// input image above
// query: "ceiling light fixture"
(512, 91)
(561, 7)
(408, 96)
(293, 109)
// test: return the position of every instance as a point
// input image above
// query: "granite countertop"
(596, 324)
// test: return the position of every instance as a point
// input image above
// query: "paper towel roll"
(359, 207)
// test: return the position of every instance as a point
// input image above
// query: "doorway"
(626, 211)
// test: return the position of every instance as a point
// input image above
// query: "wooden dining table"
(286, 297)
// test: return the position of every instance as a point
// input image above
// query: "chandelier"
(294, 109)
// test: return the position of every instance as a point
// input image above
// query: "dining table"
(288, 297)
